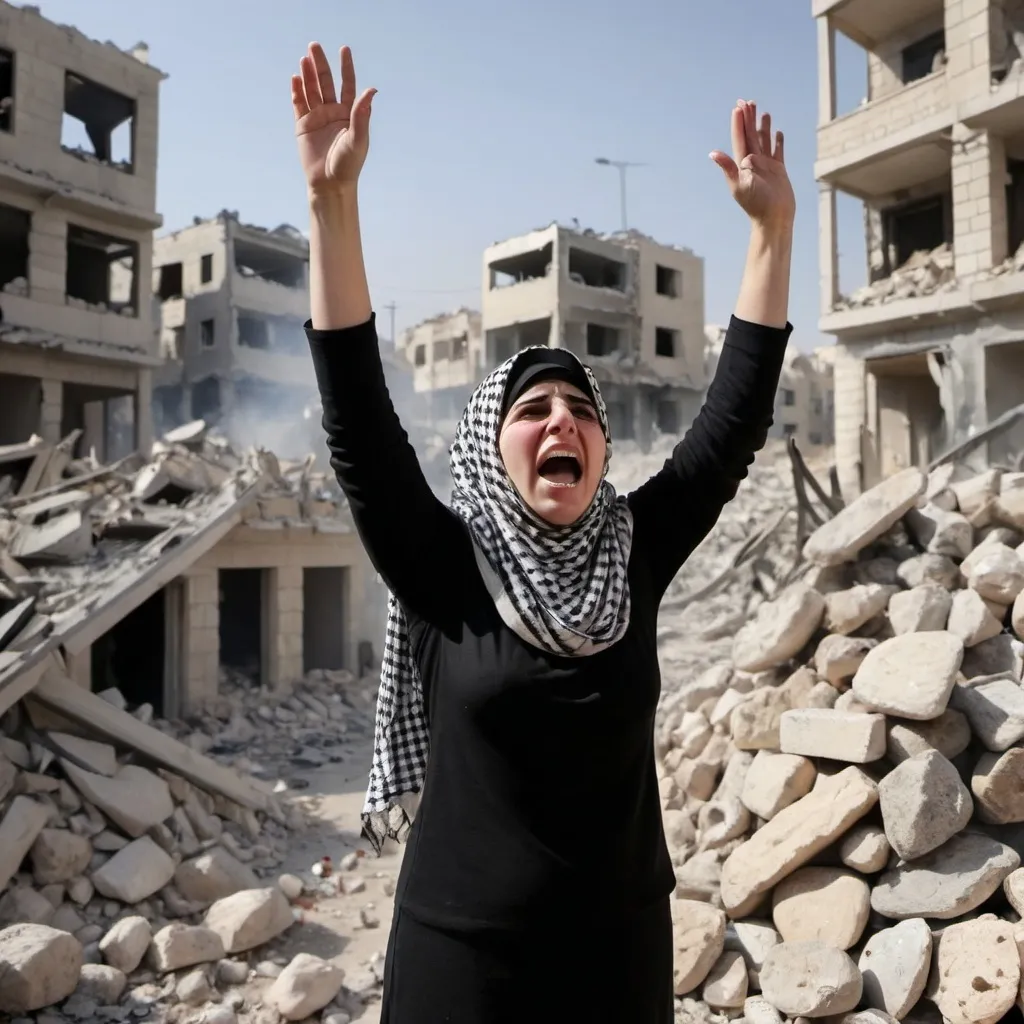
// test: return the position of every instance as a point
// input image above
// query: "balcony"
(868, 22)
(889, 143)
(263, 295)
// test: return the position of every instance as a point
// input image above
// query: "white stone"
(779, 630)
(998, 574)
(924, 803)
(775, 781)
(911, 675)
(810, 979)
(971, 620)
(134, 799)
(179, 945)
(99, 758)
(840, 735)
(920, 609)
(795, 835)
(977, 971)
(249, 918)
(895, 963)
(995, 710)
(865, 848)
(212, 876)
(134, 873)
(941, 532)
(58, 855)
(828, 905)
(848, 610)
(949, 734)
(125, 944)
(699, 939)
(726, 985)
(24, 820)
(948, 882)
(865, 519)
(102, 983)
(41, 966)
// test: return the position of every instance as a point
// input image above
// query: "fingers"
(764, 134)
(780, 153)
(348, 79)
(323, 72)
(310, 83)
(360, 120)
(739, 135)
(299, 104)
(729, 166)
(750, 126)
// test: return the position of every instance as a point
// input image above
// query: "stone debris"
(924, 273)
(875, 740)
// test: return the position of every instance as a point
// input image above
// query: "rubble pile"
(138, 874)
(275, 735)
(126, 889)
(693, 635)
(924, 273)
(844, 796)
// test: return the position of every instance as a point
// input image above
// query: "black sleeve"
(677, 507)
(411, 537)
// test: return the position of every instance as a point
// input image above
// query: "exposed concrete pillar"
(144, 411)
(851, 419)
(284, 622)
(969, 44)
(48, 257)
(94, 435)
(826, 70)
(201, 624)
(980, 226)
(51, 410)
(828, 248)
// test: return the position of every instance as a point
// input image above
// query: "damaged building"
(164, 576)
(78, 158)
(932, 348)
(445, 354)
(233, 298)
(630, 307)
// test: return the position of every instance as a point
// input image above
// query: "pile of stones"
(844, 797)
(129, 893)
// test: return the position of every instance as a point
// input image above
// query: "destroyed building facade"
(78, 158)
(446, 355)
(932, 349)
(630, 307)
(233, 298)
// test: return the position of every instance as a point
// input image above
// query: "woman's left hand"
(756, 172)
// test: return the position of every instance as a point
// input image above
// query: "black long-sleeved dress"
(536, 882)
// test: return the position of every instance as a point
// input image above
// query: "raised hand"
(333, 132)
(756, 172)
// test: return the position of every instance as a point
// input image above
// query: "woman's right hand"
(333, 133)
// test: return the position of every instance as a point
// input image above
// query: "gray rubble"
(870, 722)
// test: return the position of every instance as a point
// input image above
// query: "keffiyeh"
(562, 589)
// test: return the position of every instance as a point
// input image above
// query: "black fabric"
(618, 970)
(541, 801)
(536, 365)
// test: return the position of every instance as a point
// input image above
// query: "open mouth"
(562, 469)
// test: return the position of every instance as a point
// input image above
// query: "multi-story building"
(446, 356)
(933, 347)
(631, 307)
(78, 157)
(233, 299)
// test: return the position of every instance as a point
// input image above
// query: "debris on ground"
(843, 793)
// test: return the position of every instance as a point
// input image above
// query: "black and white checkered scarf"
(561, 588)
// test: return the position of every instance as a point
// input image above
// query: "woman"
(521, 642)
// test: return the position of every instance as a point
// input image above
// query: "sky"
(487, 124)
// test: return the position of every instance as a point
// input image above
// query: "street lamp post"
(621, 166)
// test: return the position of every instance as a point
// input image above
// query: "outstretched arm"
(677, 507)
(398, 517)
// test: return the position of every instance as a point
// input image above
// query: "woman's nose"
(561, 420)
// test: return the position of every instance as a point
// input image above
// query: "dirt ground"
(335, 927)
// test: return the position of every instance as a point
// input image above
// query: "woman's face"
(553, 448)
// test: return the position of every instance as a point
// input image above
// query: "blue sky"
(488, 121)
